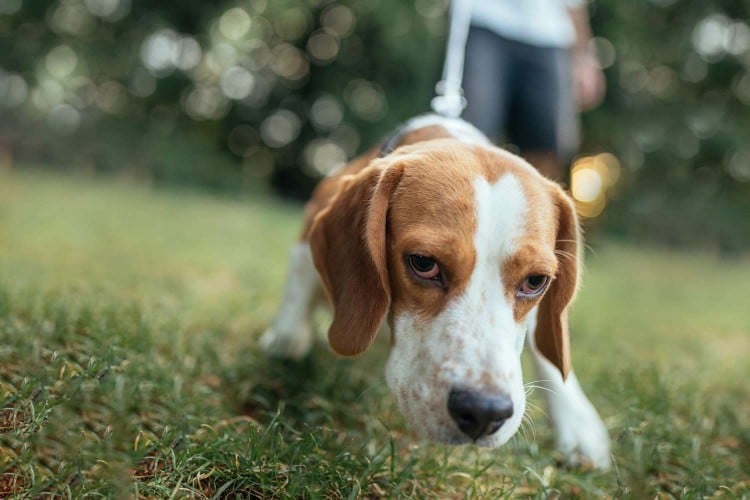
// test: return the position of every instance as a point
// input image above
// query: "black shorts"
(521, 94)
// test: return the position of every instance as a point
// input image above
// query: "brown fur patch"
(347, 240)
(551, 336)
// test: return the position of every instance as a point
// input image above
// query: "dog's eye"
(424, 267)
(533, 286)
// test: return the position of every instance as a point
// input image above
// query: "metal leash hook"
(450, 100)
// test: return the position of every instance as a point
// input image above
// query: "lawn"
(128, 365)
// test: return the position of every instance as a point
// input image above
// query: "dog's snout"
(479, 414)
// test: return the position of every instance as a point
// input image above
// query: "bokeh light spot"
(220, 57)
(292, 24)
(157, 52)
(289, 62)
(280, 128)
(64, 119)
(323, 156)
(340, 19)
(258, 6)
(206, 103)
(13, 90)
(110, 10)
(186, 53)
(326, 112)
(738, 165)
(709, 37)
(633, 76)
(72, 19)
(323, 47)
(590, 180)
(47, 94)
(234, 23)
(737, 38)
(604, 51)
(366, 99)
(258, 55)
(586, 185)
(61, 61)
(347, 137)
(237, 82)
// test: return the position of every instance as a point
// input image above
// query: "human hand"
(588, 80)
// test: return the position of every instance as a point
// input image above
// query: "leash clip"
(448, 102)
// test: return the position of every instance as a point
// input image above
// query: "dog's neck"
(431, 126)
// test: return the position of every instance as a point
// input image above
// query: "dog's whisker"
(535, 384)
(523, 431)
(530, 389)
(566, 255)
(528, 425)
(537, 381)
(536, 408)
(529, 433)
(539, 410)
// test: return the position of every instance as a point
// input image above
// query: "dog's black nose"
(479, 414)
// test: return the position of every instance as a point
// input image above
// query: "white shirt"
(544, 23)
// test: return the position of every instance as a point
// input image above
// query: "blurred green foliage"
(238, 94)
(143, 87)
(678, 117)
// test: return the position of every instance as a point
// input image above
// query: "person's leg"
(544, 122)
(547, 163)
(485, 89)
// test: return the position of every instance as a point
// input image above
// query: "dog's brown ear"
(347, 239)
(551, 335)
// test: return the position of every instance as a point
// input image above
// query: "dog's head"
(464, 245)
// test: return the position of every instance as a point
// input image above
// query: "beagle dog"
(464, 250)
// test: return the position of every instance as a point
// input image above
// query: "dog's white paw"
(582, 438)
(291, 343)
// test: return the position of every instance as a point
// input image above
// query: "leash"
(450, 101)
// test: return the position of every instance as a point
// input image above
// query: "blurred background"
(260, 95)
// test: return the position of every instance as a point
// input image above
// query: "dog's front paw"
(582, 438)
(287, 342)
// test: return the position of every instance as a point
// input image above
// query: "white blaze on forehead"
(500, 209)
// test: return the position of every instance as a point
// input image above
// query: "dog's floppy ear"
(551, 335)
(347, 239)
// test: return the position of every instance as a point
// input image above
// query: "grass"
(129, 367)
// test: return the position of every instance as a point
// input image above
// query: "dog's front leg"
(580, 434)
(290, 335)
